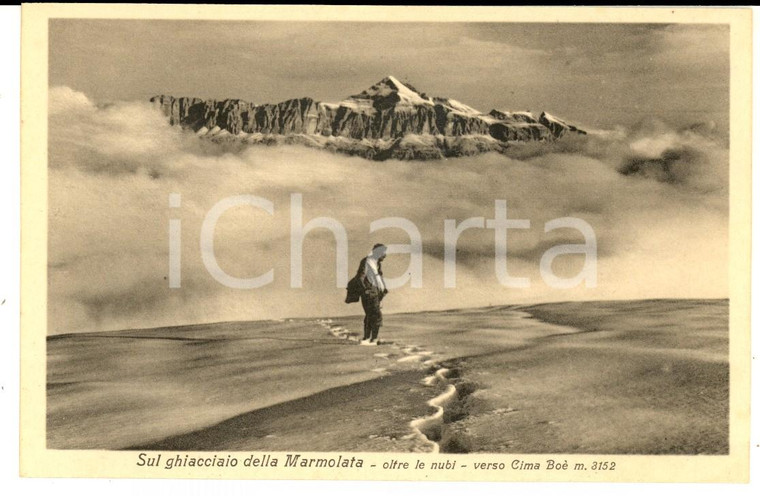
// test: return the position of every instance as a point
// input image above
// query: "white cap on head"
(378, 250)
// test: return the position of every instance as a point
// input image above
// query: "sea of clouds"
(656, 197)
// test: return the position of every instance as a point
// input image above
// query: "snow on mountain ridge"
(552, 118)
(458, 106)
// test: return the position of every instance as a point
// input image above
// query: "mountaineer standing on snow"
(371, 274)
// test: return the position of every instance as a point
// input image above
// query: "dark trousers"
(373, 316)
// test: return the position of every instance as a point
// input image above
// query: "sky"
(598, 75)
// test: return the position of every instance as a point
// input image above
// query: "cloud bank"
(656, 198)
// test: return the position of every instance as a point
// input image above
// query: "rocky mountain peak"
(391, 91)
(390, 119)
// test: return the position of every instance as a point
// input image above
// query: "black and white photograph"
(415, 248)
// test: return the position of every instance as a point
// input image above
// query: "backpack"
(355, 287)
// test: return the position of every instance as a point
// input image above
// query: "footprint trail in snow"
(426, 429)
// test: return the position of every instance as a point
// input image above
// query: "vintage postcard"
(370, 243)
